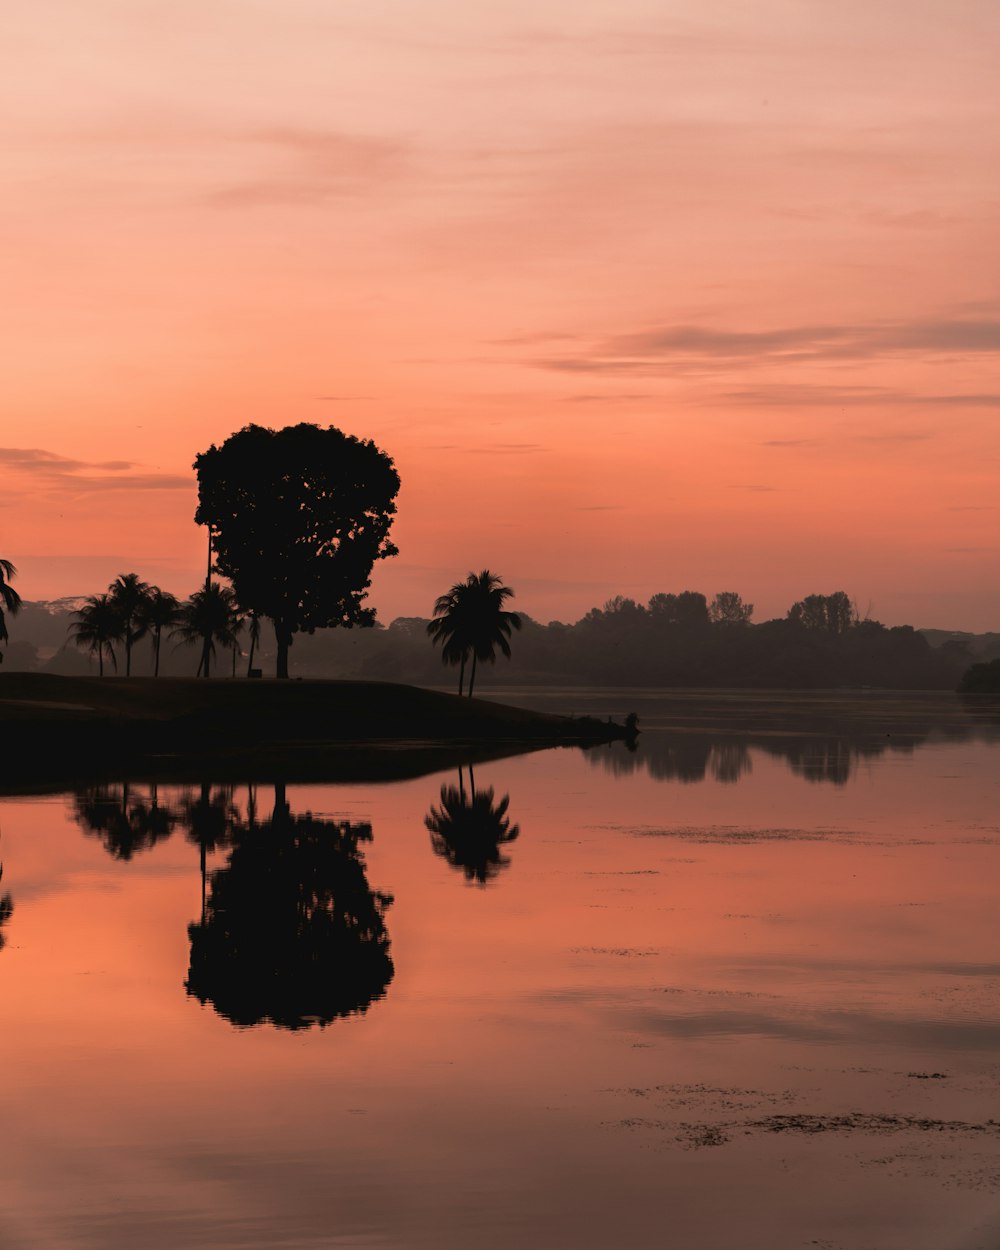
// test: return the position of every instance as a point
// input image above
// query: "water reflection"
(123, 817)
(676, 757)
(469, 828)
(6, 910)
(291, 932)
(689, 738)
(689, 758)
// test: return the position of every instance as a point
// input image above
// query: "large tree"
(298, 518)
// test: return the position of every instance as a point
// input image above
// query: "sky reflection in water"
(726, 990)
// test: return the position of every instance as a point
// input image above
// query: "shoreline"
(57, 728)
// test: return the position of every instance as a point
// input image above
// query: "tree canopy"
(298, 517)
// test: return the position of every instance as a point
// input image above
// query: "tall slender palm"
(10, 600)
(471, 620)
(449, 628)
(253, 632)
(129, 595)
(207, 618)
(160, 610)
(97, 628)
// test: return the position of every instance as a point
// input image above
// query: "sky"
(640, 295)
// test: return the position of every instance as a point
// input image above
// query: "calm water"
(736, 989)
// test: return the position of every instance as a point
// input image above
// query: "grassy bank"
(56, 725)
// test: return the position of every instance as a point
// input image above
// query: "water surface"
(741, 987)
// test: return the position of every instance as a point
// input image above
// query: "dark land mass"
(59, 728)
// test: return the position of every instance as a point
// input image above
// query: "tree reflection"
(691, 757)
(125, 820)
(469, 829)
(291, 932)
(210, 821)
(6, 910)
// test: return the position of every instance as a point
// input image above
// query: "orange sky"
(640, 295)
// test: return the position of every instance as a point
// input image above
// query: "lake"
(740, 987)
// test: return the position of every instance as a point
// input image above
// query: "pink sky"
(640, 296)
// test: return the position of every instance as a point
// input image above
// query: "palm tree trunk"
(156, 652)
(100, 659)
(253, 645)
(472, 675)
(128, 651)
(461, 677)
(284, 638)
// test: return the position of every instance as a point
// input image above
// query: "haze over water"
(750, 1000)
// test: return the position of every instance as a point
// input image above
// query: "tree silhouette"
(291, 933)
(209, 618)
(728, 608)
(253, 632)
(468, 830)
(470, 619)
(97, 628)
(299, 517)
(10, 600)
(833, 613)
(128, 596)
(159, 611)
(451, 631)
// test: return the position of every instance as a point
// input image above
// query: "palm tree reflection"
(469, 829)
(6, 910)
(124, 819)
(291, 932)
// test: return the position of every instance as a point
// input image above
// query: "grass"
(56, 725)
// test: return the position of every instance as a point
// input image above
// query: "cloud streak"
(665, 348)
(315, 166)
(47, 469)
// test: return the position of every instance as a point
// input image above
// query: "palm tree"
(253, 631)
(129, 595)
(97, 628)
(207, 617)
(10, 600)
(449, 629)
(160, 610)
(471, 620)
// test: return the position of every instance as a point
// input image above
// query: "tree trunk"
(253, 646)
(156, 653)
(472, 675)
(128, 652)
(461, 677)
(100, 660)
(284, 637)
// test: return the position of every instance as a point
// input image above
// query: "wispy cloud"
(48, 470)
(667, 347)
(788, 395)
(507, 449)
(306, 166)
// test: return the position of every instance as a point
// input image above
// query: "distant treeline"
(673, 640)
